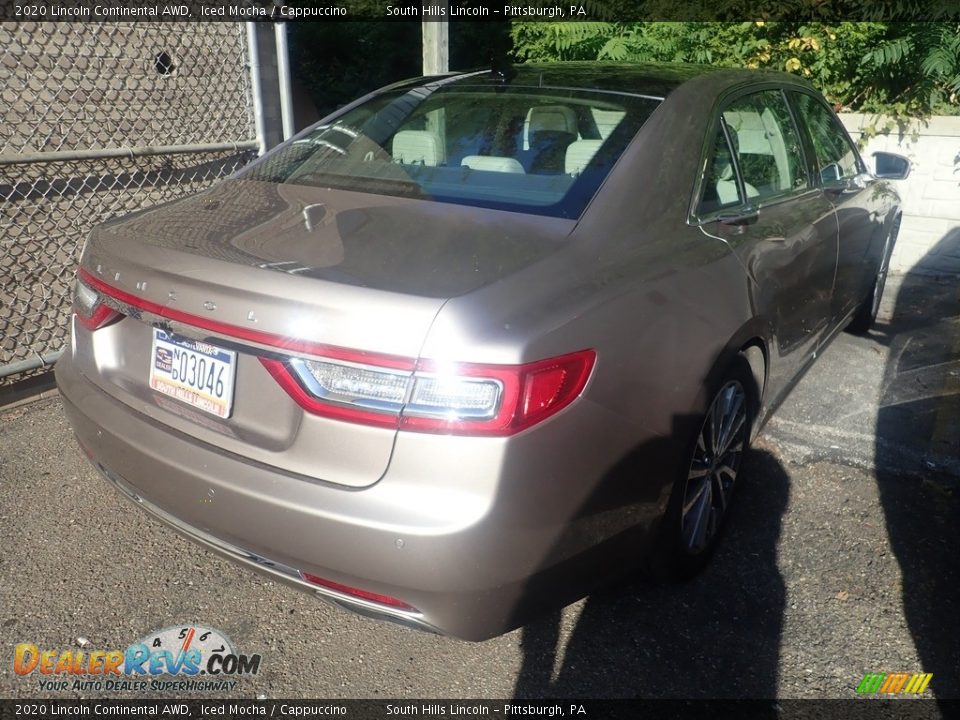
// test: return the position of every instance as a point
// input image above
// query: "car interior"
(544, 153)
(543, 139)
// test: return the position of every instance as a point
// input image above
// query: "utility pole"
(436, 37)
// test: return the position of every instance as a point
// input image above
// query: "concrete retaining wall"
(930, 236)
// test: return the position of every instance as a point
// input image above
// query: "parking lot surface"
(841, 559)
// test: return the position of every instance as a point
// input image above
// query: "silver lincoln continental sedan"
(476, 344)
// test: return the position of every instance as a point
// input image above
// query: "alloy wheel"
(714, 467)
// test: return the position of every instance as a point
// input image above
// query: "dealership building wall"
(929, 239)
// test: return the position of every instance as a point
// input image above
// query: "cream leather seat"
(727, 187)
(727, 192)
(417, 147)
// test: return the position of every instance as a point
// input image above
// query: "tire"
(700, 501)
(866, 314)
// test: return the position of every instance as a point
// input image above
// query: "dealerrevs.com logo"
(180, 658)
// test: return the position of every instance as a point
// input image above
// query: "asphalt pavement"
(841, 559)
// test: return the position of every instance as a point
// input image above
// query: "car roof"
(647, 79)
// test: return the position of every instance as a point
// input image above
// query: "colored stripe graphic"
(918, 683)
(871, 683)
(894, 683)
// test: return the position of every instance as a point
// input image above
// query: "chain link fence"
(96, 120)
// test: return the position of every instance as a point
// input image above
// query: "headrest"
(417, 147)
(492, 163)
(557, 118)
(579, 155)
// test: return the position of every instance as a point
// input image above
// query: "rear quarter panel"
(663, 305)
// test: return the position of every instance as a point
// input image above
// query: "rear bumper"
(264, 565)
(479, 538)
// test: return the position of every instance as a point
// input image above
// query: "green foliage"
(920, 64)
(902, 69)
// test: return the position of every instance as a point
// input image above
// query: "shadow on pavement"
(717, 635)
(919, 407)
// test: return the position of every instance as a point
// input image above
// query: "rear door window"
(766, 145)
(720, 187)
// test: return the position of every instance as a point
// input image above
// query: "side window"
(720, 188)
(836, 157)
(766, 145)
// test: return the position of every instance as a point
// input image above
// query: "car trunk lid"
(268, 270)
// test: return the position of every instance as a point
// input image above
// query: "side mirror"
(830, 174)
(891, 166)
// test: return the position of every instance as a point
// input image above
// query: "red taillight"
(531, 393)
(454, 399)
(357, 592)
(102, 316)
(543, 388)
(553, 384)
(89, 307)
(286, 379)
(387, 390)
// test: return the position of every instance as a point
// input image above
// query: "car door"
(758, 196)
(840, 172)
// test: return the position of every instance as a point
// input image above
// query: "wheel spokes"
(714, 429)
(722, 488)
(733, 449)
(733, 427)
(728, 471)
(699, 516)
(698, 469)
(698, 494)
(713, 469)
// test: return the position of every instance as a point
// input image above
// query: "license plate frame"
(196, 373)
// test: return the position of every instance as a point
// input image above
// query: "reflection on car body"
(475, 344)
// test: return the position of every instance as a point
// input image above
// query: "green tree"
(902, 69)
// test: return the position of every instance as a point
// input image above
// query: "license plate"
(196, 373)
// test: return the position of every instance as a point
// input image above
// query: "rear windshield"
(535, 150)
